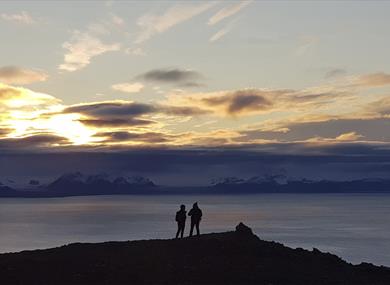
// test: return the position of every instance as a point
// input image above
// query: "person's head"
(195, 205)
(182, 207)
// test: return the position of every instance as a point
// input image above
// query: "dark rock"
(243, 229)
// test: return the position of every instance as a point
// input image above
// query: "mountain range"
(76, 184)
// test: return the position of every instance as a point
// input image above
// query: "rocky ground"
(237, 257)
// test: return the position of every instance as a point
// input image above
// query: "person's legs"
(197, 228)
(178, 230)
(182, 230)
(192, 228)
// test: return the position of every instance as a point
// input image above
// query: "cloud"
(116, 20)
(181, 77)
(240, 101)
(82, 48)
(228, 11)
(33, 141)
(182, 111)
(18, 98)
(351, 136)
(19, 75)
(373, 80)
(22, 17)
(321, 114)
(146, 137)
(336, 72)
(111, 108)
(374, 130)
(28, 113)
(113, 123)
(125, 114)
(258, 101)
(137, 51)
(4, 131)
(128, 87)
(125, 108)
(381, 107)
(198, 166)
(151, 24)
(33, 122)
(220, 34)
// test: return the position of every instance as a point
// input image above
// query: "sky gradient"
(281, 77)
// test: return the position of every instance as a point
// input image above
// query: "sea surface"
(353, 226)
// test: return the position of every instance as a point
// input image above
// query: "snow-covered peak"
(138, 180)
(229, 180)
(77, 177)
(73, 177)
(101, 177)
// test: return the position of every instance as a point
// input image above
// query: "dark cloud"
(240, 101)
(316, 98)
(147, 137)
(251, 101)
(113, 114)
(110, 109)
(4, 131)
(247, 101)
(336, 72)
(199, 166)
(116, 122)
(180, 77)
(126, 109)
(31, 142)
(121, 114)
(182, 111)
(191, 85)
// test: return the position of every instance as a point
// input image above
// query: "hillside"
(237, 257)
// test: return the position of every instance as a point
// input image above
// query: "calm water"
(356, 227)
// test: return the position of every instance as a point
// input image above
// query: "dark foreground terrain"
(237, 257)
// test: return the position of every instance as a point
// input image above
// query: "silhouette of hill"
(237, 257)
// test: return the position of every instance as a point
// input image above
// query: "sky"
(290, 78)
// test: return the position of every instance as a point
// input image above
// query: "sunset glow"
(122, 80)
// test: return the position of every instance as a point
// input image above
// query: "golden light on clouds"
(269, 116)
(26, 112)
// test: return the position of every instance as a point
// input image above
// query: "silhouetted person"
(196, 216)
(181, 221)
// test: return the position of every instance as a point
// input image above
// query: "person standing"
(196, 215)
(181, 217)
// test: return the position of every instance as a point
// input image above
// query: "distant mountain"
(6, 191)
(77, 183)
(34, 182)
(280, 184)
(237, 258)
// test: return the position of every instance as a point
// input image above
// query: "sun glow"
(28, 113)
(68, 126)
(63, 125)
